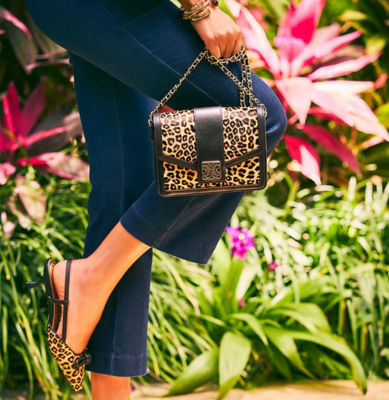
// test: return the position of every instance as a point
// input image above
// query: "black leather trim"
(262, 147)
(178, 161)
(157, 135)
(209, 143)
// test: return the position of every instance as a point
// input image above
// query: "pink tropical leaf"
(319, 48)
(301, 21)
(8, 16)
(319, 112)
(325, 34)
(6, 170)
(35, 161)
(32, 197)
(62, 165)
(380, 82)
(334, 44)
(11, 109)
(333, 145)
(345, 86)
(38, 136)
(297, 93)
(289, 48)
(255, 39)
(305, 155)
(371, 142)
(343, 68)
(350, 108)
(32, 109)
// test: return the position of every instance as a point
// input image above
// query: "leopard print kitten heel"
(71, 364)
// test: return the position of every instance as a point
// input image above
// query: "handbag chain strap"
(220, 62)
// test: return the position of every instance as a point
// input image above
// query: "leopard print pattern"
(240, 131)
(65, 357)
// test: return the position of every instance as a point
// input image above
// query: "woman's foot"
(86, 302)
(92, 280)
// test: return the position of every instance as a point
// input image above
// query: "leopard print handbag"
(211, 149)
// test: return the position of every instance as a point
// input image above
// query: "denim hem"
(186, 248)
(115, 365)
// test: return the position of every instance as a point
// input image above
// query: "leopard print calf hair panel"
(65, 357)
(240, 133)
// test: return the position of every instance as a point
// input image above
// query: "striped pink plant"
(17, 136)
(6, 15)
(303, 65)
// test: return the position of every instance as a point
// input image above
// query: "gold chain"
(220, 62)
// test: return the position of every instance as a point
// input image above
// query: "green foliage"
(319, 313)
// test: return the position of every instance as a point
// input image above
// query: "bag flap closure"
(209, 144)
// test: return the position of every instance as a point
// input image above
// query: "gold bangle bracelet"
(202, 15)
(199, 6)
(201, 10)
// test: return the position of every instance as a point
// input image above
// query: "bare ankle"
(107, 386)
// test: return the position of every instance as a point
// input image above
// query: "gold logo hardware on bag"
(211, 149)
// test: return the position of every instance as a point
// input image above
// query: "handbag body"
(211, 149)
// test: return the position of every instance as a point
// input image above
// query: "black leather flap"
(209, 144)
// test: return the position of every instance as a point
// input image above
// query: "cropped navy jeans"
(126, 55)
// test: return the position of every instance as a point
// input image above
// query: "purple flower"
(273, 265)
(241, 241)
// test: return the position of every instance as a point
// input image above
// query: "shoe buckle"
(85, 358)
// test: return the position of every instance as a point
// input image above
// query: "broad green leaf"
(280, 362)
(340, 346)
(234, 353)
(253, 323)
(221, 261)
(249, 272)
(309, 315)
(210, 319)
(200, 371)
(305, 290)
(232, 279)
(284, 342)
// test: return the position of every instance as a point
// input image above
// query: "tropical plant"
(21, 145)
(307, 56)
(342, 234)
(325, 250)
(15, 134)
(244, 326)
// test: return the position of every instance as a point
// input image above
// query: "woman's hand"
(220, 34)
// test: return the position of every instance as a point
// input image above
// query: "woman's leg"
(120, 170)
(149, 52)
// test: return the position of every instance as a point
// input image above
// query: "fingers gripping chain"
(220, 62)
